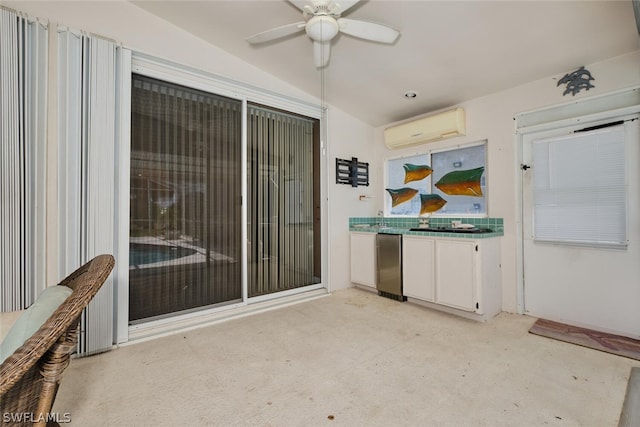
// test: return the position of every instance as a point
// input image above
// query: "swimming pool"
(142, 253)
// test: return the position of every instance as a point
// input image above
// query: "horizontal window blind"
(580, 188)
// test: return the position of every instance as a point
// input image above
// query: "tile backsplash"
(496, 224)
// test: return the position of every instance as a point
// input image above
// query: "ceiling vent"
(428, 129)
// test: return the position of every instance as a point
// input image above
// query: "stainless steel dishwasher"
(389, 264)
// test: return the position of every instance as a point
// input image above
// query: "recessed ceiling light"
(410, 94)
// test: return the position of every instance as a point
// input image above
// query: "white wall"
(492, 118)
(349, 138)
(140, 31)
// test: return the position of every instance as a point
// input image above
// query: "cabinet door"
(363, 258)
(455, 274)
(418, 272)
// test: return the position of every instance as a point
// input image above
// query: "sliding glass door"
(283, 208)
(185, 201)
(186, 211)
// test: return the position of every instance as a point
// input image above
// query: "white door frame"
(582, 111)
(166, 70)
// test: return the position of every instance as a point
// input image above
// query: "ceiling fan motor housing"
(322, 28)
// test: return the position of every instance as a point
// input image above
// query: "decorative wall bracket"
(352, 172)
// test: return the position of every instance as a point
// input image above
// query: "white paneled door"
(581, 233)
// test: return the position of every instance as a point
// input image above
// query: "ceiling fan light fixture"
(322, 23)
(322, 28)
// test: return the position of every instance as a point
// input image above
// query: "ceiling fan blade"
(345, 5)
(276, 33)
(368, 30)
(321, 53)
(300, 4)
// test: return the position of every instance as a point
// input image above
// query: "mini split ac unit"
(428, 129)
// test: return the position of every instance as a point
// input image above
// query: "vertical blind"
(281, 198)
(185, 204)
(87, 75)
(580, 188)
(23, 118)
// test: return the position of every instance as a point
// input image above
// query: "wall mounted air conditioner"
(427, 129)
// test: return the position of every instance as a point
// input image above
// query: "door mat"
(630, 415)
(615, 344)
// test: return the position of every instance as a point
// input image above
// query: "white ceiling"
(448, 51)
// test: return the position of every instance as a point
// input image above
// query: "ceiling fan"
(322, 22)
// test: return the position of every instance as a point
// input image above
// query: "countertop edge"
(407, 232)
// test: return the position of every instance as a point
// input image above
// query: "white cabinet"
(463, 274)
(363, 258)
(418, 273)
(455, 274)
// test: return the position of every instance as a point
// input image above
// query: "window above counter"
(448, 182)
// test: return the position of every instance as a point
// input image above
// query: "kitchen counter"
(430, 232)
(447, 268)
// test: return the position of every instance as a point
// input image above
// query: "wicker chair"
(29, 378)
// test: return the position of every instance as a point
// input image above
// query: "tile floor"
(349, 359)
